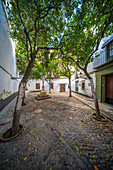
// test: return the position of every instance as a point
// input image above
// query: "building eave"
(103, 65)
(107, 42)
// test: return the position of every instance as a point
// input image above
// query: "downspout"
(13, 78)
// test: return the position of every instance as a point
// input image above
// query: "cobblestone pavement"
(54, 137)
(105, 108)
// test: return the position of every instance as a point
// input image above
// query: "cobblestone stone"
(57, 139)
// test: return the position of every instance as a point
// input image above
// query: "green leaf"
(94, 156)
(80, 153)
(107, 145)
(25, 158)
(77, 149)
(32, 131)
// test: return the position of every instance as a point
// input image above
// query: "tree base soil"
(7, 135)
(102, 118)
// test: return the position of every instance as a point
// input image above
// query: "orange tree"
(91, 21)
(35, 25)
(66, 70)
(51, 67)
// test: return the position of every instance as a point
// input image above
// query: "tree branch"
(25, 30)
(63, 38)
(35, 35)
(47, 11)
(106, 23)
(27, 48)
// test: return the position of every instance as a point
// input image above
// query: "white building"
(8, 68)
(57, 85)
(81, 82)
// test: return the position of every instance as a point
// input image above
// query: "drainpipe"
(13, 78)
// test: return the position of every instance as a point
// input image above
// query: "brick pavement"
(55, 138)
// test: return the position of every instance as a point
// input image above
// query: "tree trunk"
(49, 86)
(95, 99)
(23, 99)
(43, 87)
(21, 90)
(94, 95)
(50, 83)
(17, 112)
(70, 87)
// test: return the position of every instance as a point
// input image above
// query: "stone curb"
(85, 102)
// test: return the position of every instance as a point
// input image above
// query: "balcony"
(101, 60)
(106, 56)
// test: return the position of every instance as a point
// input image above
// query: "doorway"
(62, 87)
(109, 89)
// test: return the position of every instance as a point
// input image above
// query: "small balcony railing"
(100, 60)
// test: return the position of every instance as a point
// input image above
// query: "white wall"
(31, 84)
(90, 67)
(57, 82)
(7, 59)
(87, 91)
(73, 85)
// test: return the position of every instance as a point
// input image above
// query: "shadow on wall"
(4, 102)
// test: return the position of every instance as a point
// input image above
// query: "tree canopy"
(90, 22)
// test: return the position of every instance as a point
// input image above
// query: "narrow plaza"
(59, 133)
(56, 85)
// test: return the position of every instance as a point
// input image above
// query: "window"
(83, 84)
(51, 86)
(110, 52)
(76, 75)
(37, 85)
(76, 85)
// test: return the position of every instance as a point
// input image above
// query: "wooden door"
(51, 85)
(37, 85)
(62, 87)
(109, 89)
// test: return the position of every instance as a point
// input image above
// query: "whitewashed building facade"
(57, 85)
(8, 68)
(82, 85)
